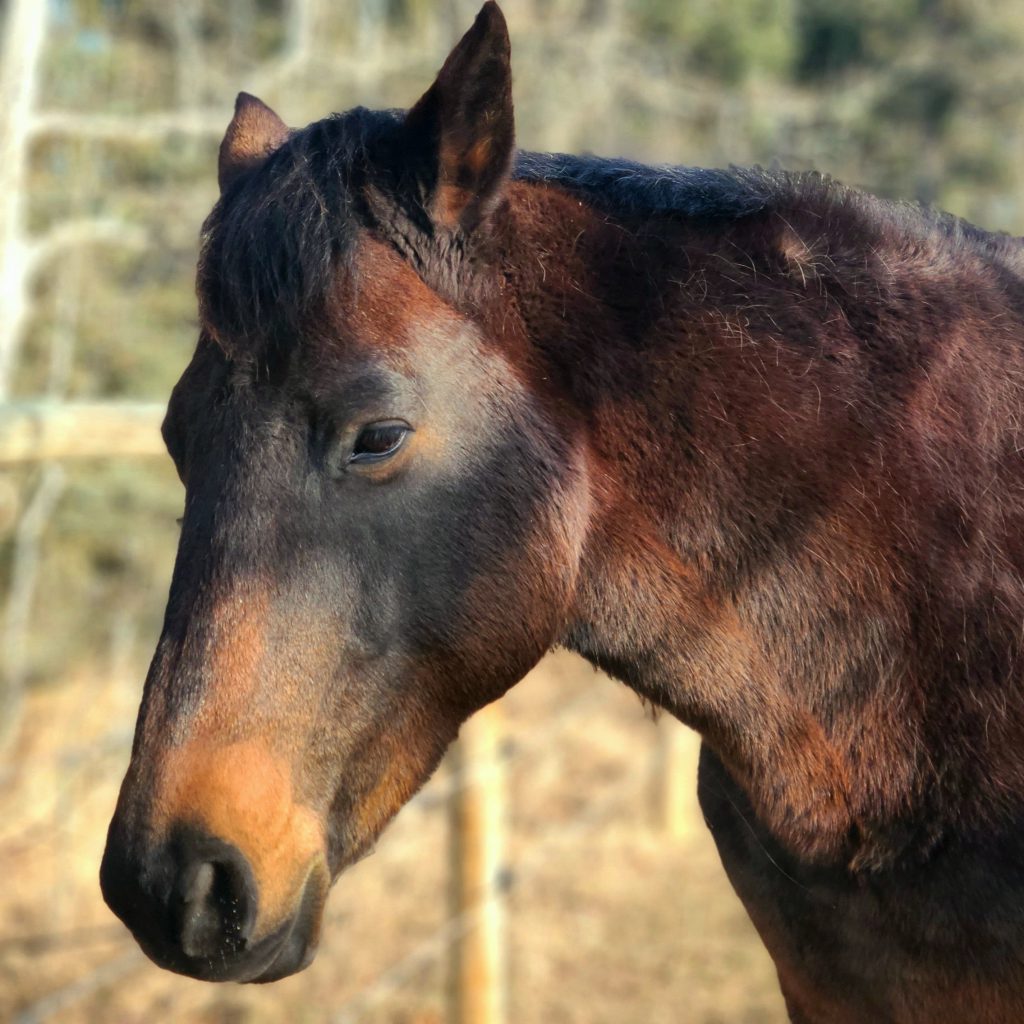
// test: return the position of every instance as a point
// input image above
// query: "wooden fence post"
(676, 810)
(477, 983)
(41, 430)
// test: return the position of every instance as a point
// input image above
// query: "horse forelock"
(275, 243)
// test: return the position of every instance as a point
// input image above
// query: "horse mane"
(273, 244)
(635, 189)
(627, 188)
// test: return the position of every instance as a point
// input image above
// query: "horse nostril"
(216, 903)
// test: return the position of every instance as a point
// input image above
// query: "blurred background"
(600, 898)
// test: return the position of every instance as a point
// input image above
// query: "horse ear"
(464, 125)
(254, 133)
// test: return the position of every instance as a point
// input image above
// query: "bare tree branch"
(24, 573)
(85, 231)
(24, 31)
(142, 128)
(300, 33)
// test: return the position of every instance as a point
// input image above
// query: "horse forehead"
(386, 306)
(381, 325)
(387, 316)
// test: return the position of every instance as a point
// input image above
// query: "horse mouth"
(294, 944)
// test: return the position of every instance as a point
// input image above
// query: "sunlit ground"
(609, 919)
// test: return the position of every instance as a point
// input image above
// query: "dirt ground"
(609, 918)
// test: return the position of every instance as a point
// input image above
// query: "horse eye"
(379, 441)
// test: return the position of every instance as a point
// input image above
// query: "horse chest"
(941, 943)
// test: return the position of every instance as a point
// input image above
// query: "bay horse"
(749, 441)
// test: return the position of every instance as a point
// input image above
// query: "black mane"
(630, 188)
(627, 188)
(273, 243)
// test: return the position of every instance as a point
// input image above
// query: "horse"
(750, 441)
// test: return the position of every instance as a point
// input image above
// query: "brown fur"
(254, 133)
(754, 449)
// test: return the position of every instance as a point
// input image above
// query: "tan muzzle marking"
(242, 793)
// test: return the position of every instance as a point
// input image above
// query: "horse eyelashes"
(378, 441)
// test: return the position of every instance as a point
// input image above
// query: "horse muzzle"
(193, 904)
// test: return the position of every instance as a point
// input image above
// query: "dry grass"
(609, 920)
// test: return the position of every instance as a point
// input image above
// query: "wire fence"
(543, 742)
(470, 794)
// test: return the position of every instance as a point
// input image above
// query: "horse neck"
(744, 570)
